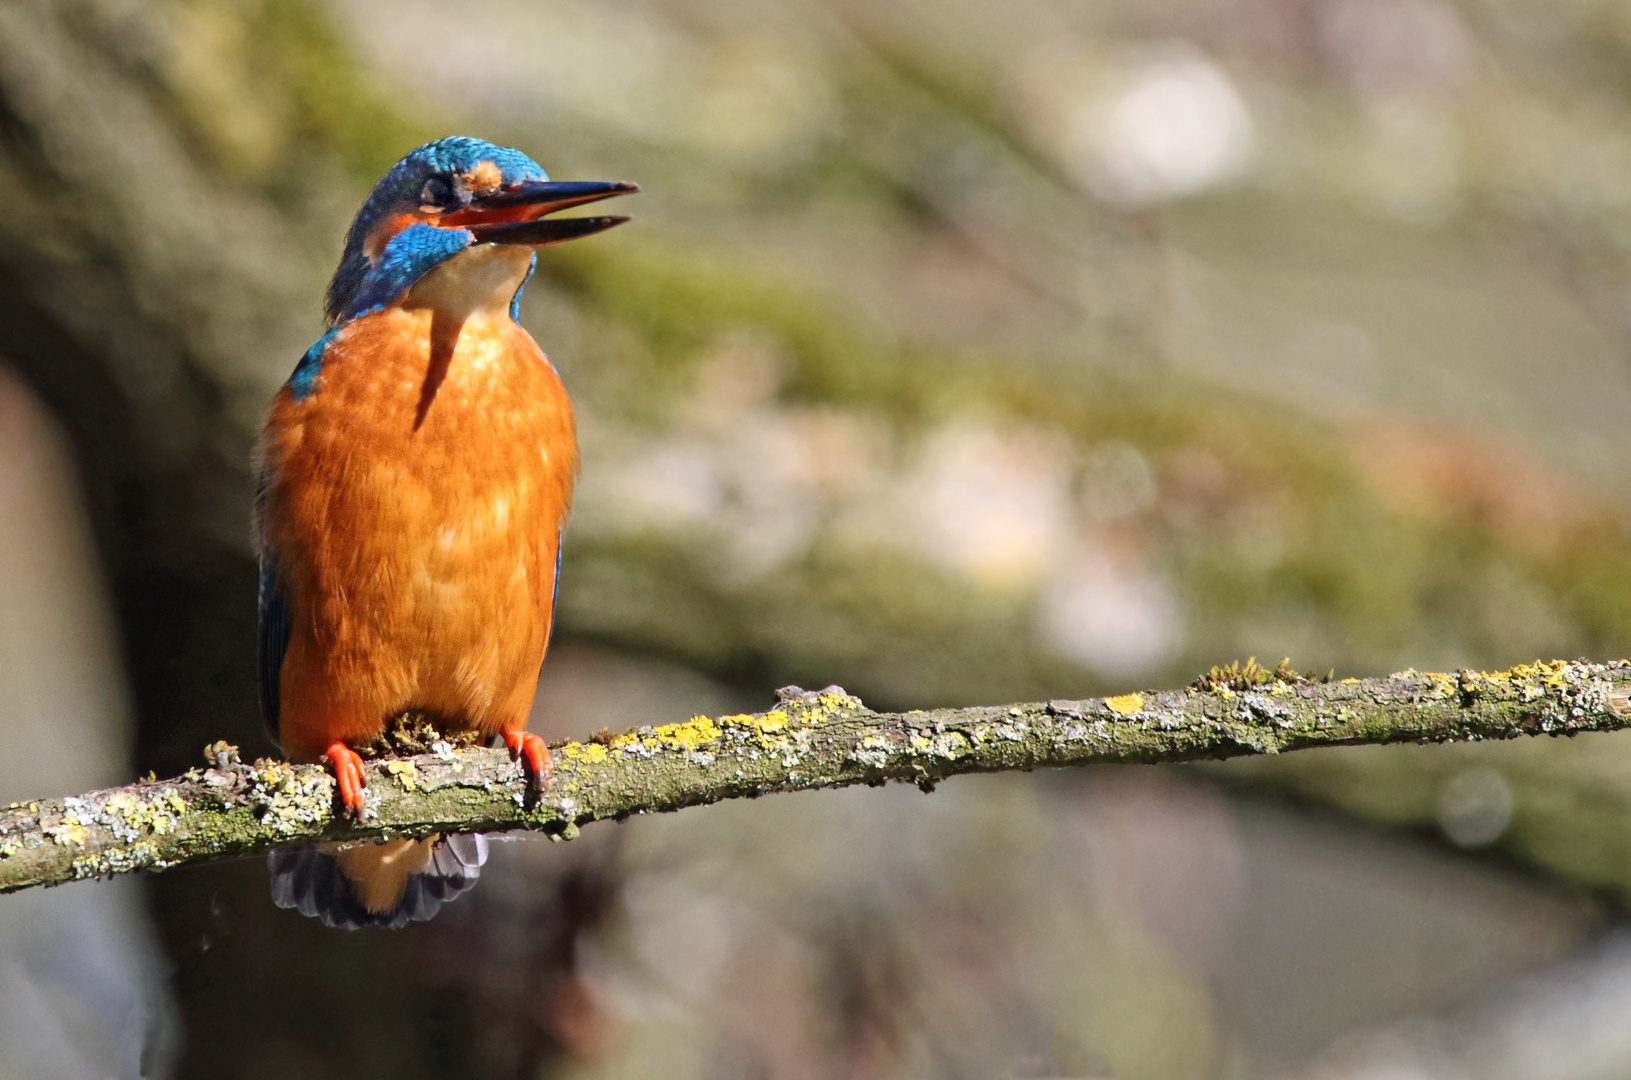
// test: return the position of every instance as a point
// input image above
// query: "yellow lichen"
(69, 832)
(818, 708)
(1126, 704)
(585, 752)
(694, 734)
(1548, 673)
(768, 729)
(289, 797)
(628, 738)
(405, 772)
(275, 774)
(1443, 685)
(1553, 674)
(157, 816)
(774, 720)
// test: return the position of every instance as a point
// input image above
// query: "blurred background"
(959, 352)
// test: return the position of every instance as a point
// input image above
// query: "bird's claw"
(348, 777)
(533, 753)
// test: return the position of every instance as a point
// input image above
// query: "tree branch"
(825, 739)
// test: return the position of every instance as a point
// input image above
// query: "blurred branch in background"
(825, 739)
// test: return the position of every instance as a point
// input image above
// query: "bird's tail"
(388, 884)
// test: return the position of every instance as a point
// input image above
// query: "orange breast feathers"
(415, 500)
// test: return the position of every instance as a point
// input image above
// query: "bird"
(413, 478)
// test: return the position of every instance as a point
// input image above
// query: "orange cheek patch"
(388, 227)
(483, 177)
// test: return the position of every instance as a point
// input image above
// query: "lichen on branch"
(822, 739)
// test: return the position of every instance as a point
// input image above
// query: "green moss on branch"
(811, 740)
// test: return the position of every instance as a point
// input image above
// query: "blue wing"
(274, 638)
(555, 586)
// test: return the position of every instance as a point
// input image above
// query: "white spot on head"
(483, 177)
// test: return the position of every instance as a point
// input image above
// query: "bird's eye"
(437, 194)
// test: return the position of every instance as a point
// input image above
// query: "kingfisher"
(413, 478)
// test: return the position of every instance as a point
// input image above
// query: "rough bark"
(823, 739)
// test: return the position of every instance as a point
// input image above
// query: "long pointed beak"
(535, 199)
(544, 230)
(548, 196)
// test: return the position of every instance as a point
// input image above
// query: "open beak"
(516, 215)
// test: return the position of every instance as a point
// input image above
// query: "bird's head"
(443, 198)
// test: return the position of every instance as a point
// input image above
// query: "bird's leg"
(348, 775)
(534, 756)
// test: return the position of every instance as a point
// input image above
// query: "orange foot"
(534, 755)
(348, 775)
